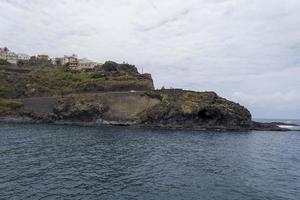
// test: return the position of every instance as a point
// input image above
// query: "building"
(86, 64)
(72, 60)
(32, 58)
(52, 60)
(22, 56)
(12, 58)
(56, 61)
(59, 61)
(3, 53)
(42, 57)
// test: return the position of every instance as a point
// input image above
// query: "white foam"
(290, 127)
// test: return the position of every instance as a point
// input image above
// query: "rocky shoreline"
(274, 126)
(165, 109)
(115, 95)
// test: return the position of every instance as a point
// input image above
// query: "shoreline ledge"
(266, 126)
(164, 109)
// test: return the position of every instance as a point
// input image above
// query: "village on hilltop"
(72, 61)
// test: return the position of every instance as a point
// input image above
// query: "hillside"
(113, 94)
(29, 81)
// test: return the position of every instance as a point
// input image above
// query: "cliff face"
(114, 94)
(165, 108)
(109, 108)
(178, 108)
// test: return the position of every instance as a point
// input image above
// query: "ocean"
(292, 124)
(42, 161)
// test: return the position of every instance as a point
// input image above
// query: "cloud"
(165, 22)
(265, 105)
(247, 51)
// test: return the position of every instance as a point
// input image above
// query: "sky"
(247, 51)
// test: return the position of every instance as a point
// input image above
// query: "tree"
(4, 62)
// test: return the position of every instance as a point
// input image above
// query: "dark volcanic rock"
(158, 108)
(110, 67)
(79, 108)
(267, 126)
(189, 109)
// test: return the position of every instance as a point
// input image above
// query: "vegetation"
(4, 62)
(16, 82)
(115, 68)
(35, 63)
(39, 83)
(83, 107)
(58, 82)
(9, 107)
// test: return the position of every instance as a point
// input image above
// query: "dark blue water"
(71, 162)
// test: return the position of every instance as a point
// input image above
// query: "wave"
(290, 127)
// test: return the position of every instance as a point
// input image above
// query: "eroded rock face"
(195, 109)
(80, 108)
(165, 108)
(120, 108)
(162, 108)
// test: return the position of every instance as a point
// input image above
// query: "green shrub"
(9, 107)
(110, 66)
(4, 62)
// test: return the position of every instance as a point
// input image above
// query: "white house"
(52, 60)
(85, 63)
(9, 56)
(22, 56)
(12, 57)
(69, 59)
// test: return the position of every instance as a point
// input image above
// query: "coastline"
(262, 127)
(128, 99)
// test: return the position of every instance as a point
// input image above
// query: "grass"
(39, 83)
(4, 62)
(9, 107)
(59, 81)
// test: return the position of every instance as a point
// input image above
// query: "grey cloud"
(167, 21)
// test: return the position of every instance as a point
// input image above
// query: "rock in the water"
(189, 109)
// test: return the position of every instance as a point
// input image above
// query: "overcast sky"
(246, 50)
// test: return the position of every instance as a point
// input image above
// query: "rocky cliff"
(178, 108)
(160, 108)
(114, 94)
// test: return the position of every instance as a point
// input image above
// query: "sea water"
(72, 162)
(291, 124)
